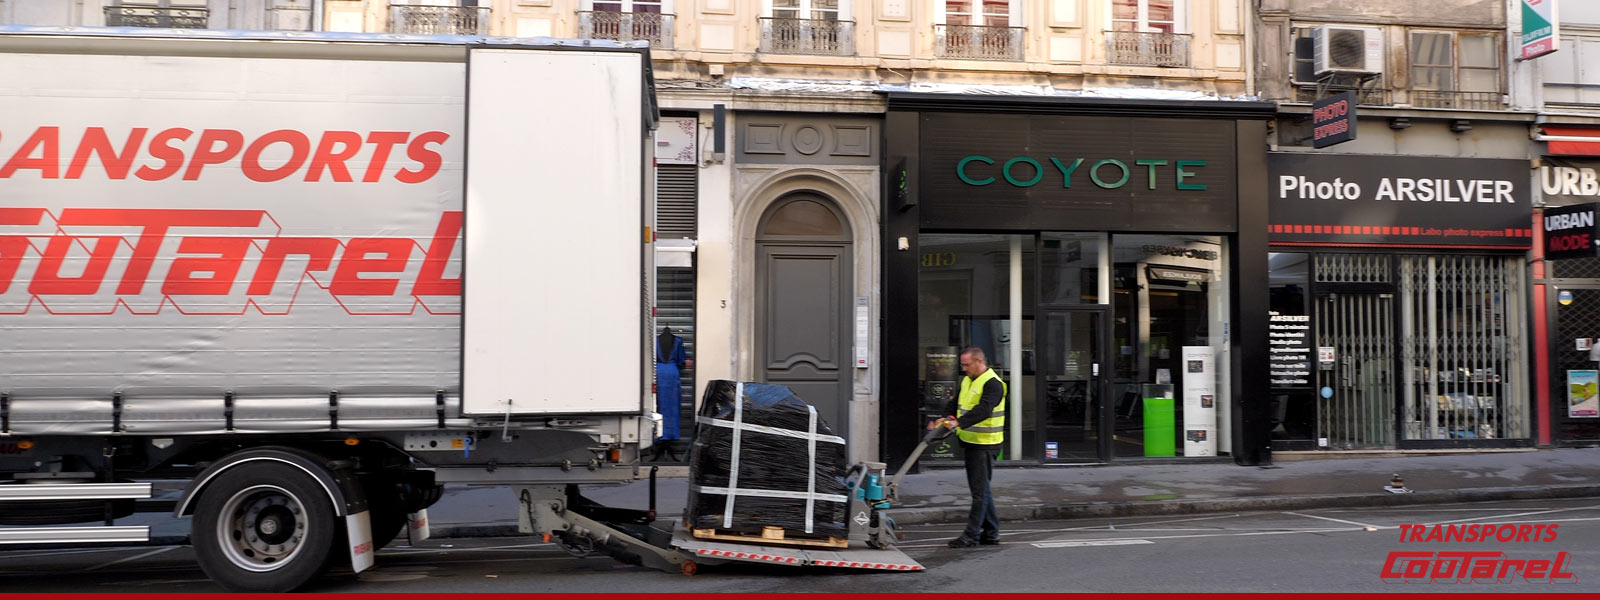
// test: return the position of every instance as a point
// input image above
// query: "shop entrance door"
(1357, 404)
(1072, 382)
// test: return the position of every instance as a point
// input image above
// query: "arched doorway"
(804, 270)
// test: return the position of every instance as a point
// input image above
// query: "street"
(1321, 550)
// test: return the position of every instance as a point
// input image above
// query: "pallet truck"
(583, 527)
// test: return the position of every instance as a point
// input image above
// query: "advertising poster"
(1199, 401)
(1582, 397)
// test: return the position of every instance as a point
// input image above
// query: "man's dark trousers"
(983, 522)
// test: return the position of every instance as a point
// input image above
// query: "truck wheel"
(264, 527)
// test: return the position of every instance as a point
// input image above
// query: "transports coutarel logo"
(1476, 566)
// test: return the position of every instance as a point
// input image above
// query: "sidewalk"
(1313, 481)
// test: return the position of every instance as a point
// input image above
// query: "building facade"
(1401, 256)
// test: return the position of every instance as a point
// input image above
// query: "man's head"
(972, 362)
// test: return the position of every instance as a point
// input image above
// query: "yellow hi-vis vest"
(989, 431)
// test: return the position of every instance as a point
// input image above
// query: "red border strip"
(1386, 245)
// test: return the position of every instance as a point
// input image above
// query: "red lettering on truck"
(266, 157)
(222, 261)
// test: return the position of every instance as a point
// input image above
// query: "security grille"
(1575, 268)
(1360, 412)
(1354, 268)
(675, 200)
(1579, 319)
(1461, 334)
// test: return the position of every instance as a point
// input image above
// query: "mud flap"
(417, 526)
(358, 529)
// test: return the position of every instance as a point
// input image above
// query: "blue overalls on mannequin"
(670, 358)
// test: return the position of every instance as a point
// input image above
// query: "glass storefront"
(1139, 375)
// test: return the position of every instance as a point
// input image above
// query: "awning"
(1569, 140)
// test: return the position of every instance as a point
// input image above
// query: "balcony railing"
(438, 20)
(136, 15)
(1457, 100)
(1152, 49)
(655, 28)
(808, 36)
(978, 41)
(1364, 97)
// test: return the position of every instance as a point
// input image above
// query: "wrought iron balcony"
(1364, 96)
(655, 28)
(1458, 100)
(978, 41)
(438, 20)
(141, 15)
(1151, 49)
(808, 36)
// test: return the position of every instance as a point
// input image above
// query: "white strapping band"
(733, 472)
(771, 493)
(715, 422)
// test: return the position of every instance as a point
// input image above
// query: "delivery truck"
(239, 261)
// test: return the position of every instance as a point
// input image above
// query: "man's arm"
(992, 391)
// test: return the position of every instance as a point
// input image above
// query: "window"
(631, 6)
(627, 20)
(992, 13)
(1570, 76)
(1455, 70)
(821, 10)
(980, 29)
(1146, 15)
(183, 14)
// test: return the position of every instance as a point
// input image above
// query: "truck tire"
(264, 527)
(385, 507)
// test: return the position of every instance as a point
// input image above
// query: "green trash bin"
(1160, 421)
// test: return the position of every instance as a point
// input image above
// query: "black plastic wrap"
(767, 461)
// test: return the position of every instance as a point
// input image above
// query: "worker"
(978, 415)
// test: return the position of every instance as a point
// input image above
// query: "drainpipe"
(316, 15)
(1250, 48)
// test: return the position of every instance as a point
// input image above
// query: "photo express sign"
(1397, 200)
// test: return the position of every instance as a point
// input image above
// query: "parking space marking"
(1090, 543)
(1367, 526)
(131, 558)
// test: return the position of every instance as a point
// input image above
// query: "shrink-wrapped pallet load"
(763, 458)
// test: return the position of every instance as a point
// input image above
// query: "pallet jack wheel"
(689, 568)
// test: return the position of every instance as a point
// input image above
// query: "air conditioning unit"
(1348, 50)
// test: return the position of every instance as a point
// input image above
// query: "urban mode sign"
(1569, 231)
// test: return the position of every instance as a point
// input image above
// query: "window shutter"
(1304, 67)
(676, 195)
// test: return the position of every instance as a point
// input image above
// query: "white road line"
(1521, 514)
(1090, 543)
(466, 548)
(1173, 537)
(130, 558)
(1364, 525)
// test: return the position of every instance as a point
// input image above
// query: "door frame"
(1099, 383)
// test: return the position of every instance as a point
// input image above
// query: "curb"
(1141, 508)
(1136, 508)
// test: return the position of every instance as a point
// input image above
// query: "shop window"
(1455, 70)
(966, 286)
(1170, 314)
(1291, 354)
(1461, 330)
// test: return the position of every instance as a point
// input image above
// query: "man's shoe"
(989, 541)
(963, 542)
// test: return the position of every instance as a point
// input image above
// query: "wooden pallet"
(769, 535)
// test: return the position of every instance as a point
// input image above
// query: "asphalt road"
(1328, 550)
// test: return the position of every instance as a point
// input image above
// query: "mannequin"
(670, 361)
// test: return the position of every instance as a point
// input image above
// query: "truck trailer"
(238, 261)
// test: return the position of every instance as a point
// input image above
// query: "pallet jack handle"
(939, 432)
